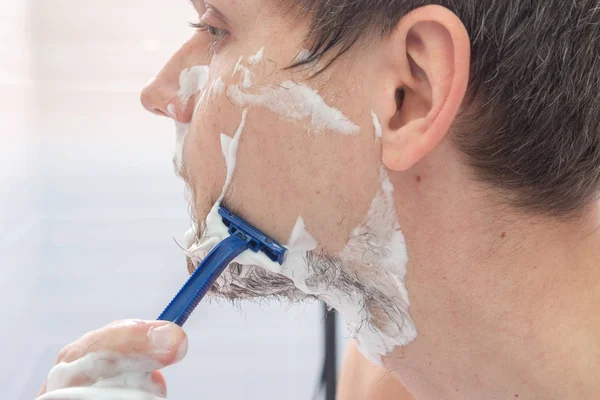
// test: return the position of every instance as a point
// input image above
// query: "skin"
(361, 380)
(127, 338)
(505, 303)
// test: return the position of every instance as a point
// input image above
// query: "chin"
(240, 282)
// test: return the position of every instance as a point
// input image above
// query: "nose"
(159, 96)
(162, 95)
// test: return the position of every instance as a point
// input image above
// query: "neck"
(505, 306)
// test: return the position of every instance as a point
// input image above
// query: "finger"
(42, 390)
(105, 370)
(164, 341)
(87, 393)
(118, 349)
(159, 380)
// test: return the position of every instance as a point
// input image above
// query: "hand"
(117, 362)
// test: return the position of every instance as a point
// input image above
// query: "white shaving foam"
(296, 102)
(385, 252)
(109, 375)
(247, 75)
(171, 111)
(378, 243)
(191, 81)
(380, 246)
(257, 58)
(213, 233)
(91, 393)
(377, 125)
(217, 88)
(231, 155)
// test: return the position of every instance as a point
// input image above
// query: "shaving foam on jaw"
(378, 245)
(382, 230)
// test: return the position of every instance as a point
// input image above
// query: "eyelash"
(216, 34)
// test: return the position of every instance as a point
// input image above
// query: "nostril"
(160, 112)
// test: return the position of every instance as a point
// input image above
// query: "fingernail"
(183, 349)
(164, 337)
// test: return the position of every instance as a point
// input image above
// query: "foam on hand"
(108, 376)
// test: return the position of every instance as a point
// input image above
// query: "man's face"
(307, 147)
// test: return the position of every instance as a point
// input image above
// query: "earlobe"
(430, 54)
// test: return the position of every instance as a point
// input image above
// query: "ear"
(426, 78)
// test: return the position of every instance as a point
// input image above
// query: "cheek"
(284, 169)
(203, 160)
(284, 172)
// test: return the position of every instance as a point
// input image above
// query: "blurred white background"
(89, 207)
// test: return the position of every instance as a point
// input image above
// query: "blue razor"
(243, 236)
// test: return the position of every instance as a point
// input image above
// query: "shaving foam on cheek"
(246, 72)
(191, 81)
(217, 87)
(214, 230)
(289, 100)
(377, 247)
(247, 75)
(377, 125)
(257, 58)
(298, 102)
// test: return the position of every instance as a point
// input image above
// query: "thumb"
(163, 341)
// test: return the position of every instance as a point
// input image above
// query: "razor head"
(257, 240)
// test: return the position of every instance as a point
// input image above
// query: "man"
(438, 166)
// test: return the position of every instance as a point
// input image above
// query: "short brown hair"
(533, 101)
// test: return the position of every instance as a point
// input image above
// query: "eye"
(215, 33)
